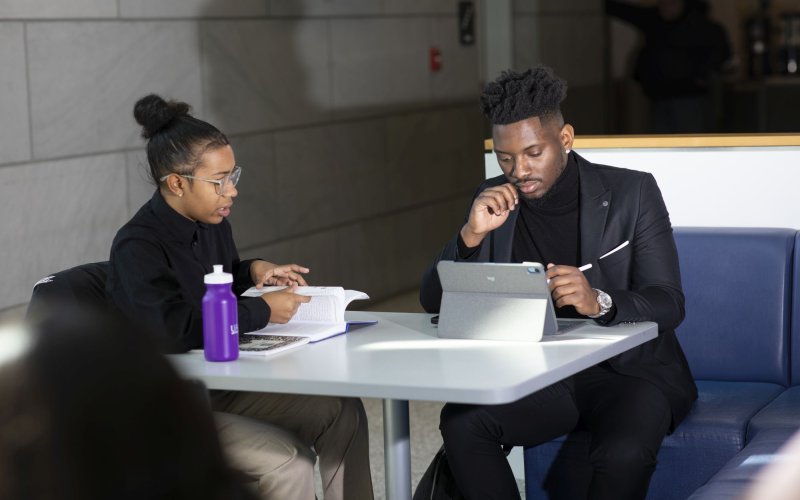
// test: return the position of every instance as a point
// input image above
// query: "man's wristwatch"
(605, 302)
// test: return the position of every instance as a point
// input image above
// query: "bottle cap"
(218, 277)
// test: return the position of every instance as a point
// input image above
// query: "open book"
(318, 319)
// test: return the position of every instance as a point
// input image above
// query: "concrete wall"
(358, 160)
(569, 36)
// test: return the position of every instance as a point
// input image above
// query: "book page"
(320, 318)
(322, 308)
(335, 300)
(351, 295)
(302, 290)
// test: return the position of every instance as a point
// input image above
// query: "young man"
(554, 207)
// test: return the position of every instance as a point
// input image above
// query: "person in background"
(89, 410)
(157, 263)
(684, 51)
(553, 206)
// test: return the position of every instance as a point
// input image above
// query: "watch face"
(604, 300)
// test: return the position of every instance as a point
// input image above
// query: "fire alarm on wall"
(435, 59)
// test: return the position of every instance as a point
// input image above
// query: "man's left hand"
(570, 287)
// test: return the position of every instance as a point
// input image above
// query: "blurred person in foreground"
(780, 478)
(90, 410)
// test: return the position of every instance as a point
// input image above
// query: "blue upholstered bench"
(737, 336)
(772, 426)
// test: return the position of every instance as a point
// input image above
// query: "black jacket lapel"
(595, 200)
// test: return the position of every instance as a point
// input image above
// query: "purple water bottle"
(220, 317)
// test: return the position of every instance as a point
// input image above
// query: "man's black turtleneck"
(547, 229)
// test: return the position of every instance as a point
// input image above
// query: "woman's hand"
(266, 273)
(283, 304)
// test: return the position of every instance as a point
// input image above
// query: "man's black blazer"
(616, 205)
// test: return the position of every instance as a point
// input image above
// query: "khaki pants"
(270, 438)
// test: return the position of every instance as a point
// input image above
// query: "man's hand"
(489, 211)
(284, 303)
(570, 287)
(266, 273)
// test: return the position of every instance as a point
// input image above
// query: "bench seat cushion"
(782, 413)
(713, 432)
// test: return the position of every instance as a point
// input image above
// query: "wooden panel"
(679, 141)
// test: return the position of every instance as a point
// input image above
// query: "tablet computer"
(482, 300)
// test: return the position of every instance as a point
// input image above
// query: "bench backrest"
(738, 284)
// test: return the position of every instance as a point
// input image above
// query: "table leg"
(397, 449)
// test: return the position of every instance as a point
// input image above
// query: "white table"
(401, 359)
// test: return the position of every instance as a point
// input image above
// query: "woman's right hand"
(283, 304)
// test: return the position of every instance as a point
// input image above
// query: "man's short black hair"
(516, 96)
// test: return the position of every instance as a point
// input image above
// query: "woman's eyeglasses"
(221, 184)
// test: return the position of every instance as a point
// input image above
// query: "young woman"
(158, 260)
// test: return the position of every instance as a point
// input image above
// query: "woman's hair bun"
(153, 113)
